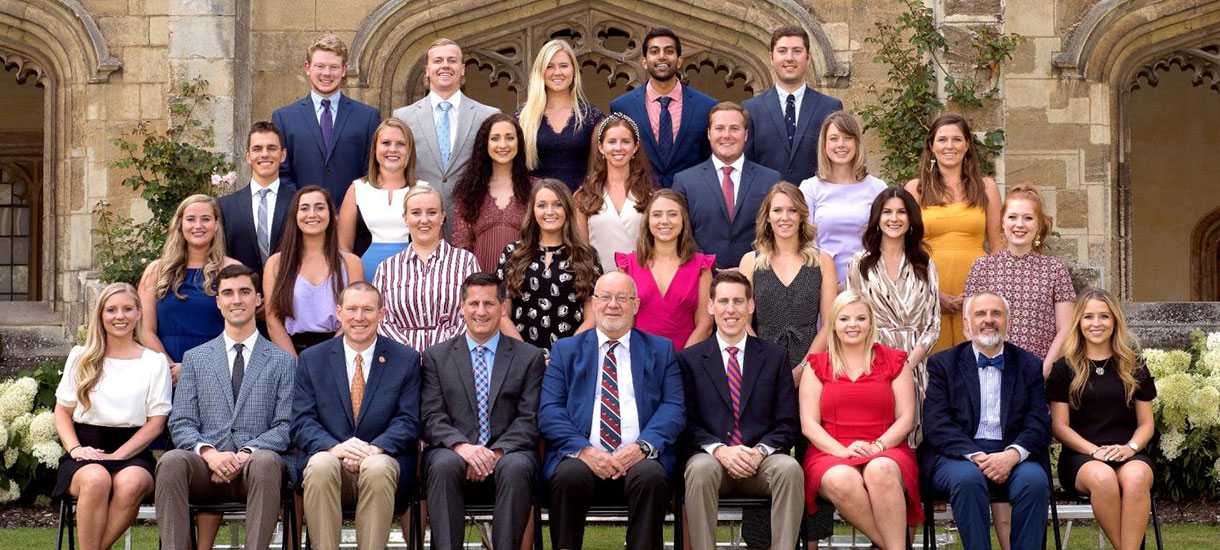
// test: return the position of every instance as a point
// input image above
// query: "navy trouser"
(968, 489)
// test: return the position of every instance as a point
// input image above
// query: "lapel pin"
(381, 359)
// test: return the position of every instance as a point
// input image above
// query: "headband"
(601, 130)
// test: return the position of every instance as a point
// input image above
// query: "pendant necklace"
(1100, 369)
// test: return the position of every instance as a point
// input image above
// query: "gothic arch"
(65, 31)
(1205, 258)
(390, 42)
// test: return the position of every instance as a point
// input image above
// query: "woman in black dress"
(550, 272)
(1101, 395)
(557, 120)
(112, 401)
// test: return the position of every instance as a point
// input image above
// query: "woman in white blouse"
(112, 402)
(610, 203)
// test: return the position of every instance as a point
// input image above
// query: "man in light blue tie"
(479, 403)
(986, 429)
(444, 122)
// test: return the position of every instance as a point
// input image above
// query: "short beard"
(989, 340)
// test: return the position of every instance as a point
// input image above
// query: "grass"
(1176, 537)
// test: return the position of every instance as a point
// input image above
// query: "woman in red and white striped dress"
(421, 286)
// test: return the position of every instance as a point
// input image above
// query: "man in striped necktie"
(742, 416)
(611, 411)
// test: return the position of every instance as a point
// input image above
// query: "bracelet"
(879, 443)
(1094, 453)
(73, 449)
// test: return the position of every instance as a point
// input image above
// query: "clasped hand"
(611, 465)
(997, 466)
(1113, 453)
(352, 452)
(739, 461)
(224, 465)
(480, 461)
(860, 449)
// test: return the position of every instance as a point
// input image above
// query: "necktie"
(239, 370)
(357, 387)
(327, 122)
(726, 185)
(260, 226)
(734, 372)
(790, 116)
(997, 362)
(665, 129)
(482, 381)
(442, 133)
(611, 433)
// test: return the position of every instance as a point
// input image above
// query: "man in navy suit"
(327, 134)
(741, 418)
(672, 117)
(595, 447)
(254, 215)
(986, 425)
(724, 193)
(787, 119)
(355, 417)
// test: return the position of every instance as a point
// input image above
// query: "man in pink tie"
(725, 192)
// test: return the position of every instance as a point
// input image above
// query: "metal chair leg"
(64, 512)
(1156, 524)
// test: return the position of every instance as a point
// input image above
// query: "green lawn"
(1176, 537)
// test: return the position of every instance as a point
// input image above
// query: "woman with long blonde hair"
(557, 120)
(182, 282)
(857, 409)
(112, 401)
(1101, 395)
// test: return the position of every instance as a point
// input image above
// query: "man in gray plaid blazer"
(230, 421)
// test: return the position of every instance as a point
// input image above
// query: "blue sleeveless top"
(183, 323)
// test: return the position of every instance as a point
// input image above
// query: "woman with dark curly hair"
(490, 198)
(550, 272)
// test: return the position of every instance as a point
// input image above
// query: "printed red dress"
(861, 411)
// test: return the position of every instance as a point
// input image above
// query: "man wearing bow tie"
(986, 427)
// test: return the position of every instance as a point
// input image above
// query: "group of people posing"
(642, 295)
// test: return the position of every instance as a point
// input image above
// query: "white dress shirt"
(255, 187)
(799, 94)
(990, 401)
(629, 415)
(334, 105)
(349, 360)
(735, 175)
(456, 101)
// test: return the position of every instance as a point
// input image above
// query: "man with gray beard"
(986, 426)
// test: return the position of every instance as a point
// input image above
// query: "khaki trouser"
(328, 487)
(778, 475)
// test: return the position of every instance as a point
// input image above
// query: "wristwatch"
(1133, 446)
(646, 447)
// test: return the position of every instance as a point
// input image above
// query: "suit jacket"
(204, 409)
(690, 143)
(714, 232)
(389, 411)
(570, 387)
(951, 407)
(418, 117)
(767, 142)
(237, 216)
(333, 167)
(449, 404)
(769, 412)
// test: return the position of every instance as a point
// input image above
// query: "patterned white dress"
(907, 315)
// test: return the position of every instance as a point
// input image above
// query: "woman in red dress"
(857, 411)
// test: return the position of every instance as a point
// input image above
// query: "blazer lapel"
(809, 104)
(499, 370)
(282, 199)
(749, 370)
(748, 170)
(770, 102)
(422, 111)
(338, 370)
(688, 115)
(256, 358)
(641, 119)
(376, 370)
(639, 380)
(221, 373)
(1008, 379)
(715, 367)
(309, 118)
(968, 364)
(710, 176)
(465, 123)
(460, 355)
(588, 363)
(345, 112)
(245, 215)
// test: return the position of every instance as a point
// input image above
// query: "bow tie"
(997, 362)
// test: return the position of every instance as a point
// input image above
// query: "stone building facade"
(1109, 106)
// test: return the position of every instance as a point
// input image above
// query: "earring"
(932, 165)
(1037, 242)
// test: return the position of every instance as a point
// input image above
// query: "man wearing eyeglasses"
(611, 410)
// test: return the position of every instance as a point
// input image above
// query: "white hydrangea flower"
(18, 398)
(48, 453)
(1209, 363)
(1215, 473)
(1174, 396)
(11, 493)
(1171, 444)
(10, 456)
(42, 428)
(1204, 406)
(3, 436)
(20, 425)
(1213, 341)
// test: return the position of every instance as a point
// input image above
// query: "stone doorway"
(22, 123)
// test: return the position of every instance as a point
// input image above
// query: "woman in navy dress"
(557, 120)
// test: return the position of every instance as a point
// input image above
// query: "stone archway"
(501, 39)
(1205, 258)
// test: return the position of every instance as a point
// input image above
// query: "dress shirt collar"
(736, 164)
(624, 342)
(455, 100)
(978, 352)
(651, 94)
(317, 100)
(491, 343)
(783, 94)
(274, 186)
(247, 347)
(724, 344)
(349, 356)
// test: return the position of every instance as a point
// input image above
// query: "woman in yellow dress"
(961, 209)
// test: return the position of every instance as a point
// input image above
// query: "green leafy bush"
(1187, 407)
(168, 167)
